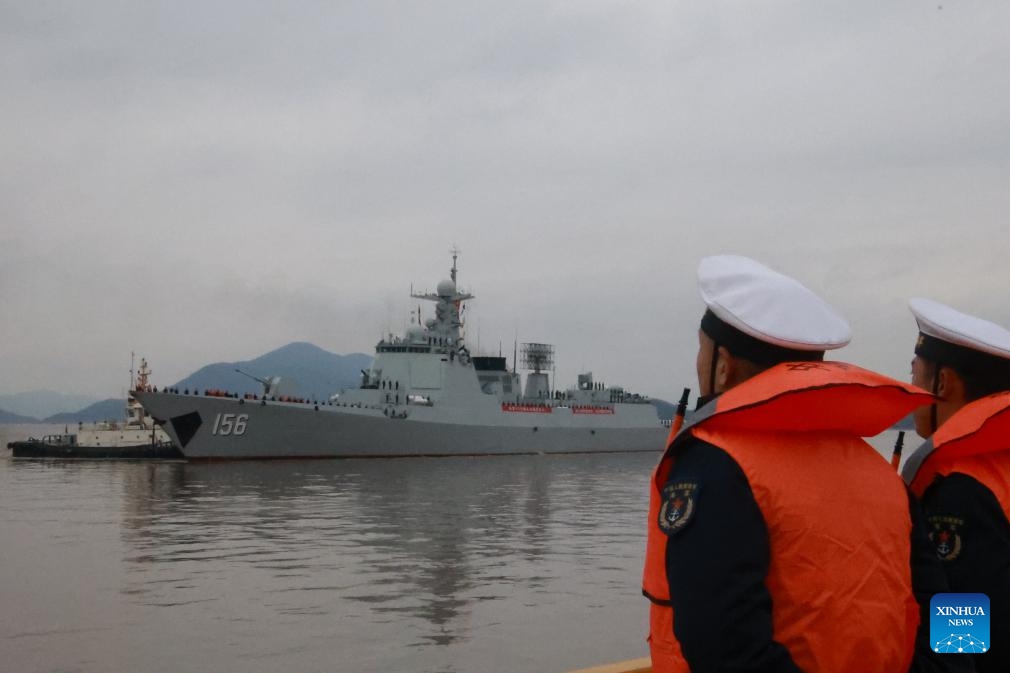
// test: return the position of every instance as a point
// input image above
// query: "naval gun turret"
(272, 386)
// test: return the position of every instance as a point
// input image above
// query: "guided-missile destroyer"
(424, 394)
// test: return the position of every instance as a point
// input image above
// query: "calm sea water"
(512, 564)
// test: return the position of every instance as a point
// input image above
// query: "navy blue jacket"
(717, 564)
(980, 561)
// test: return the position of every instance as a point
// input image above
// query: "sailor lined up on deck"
(778, 539)
(962, 473)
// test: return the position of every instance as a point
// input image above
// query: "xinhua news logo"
(959, 623)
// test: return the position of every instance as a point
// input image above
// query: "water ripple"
(296, 565)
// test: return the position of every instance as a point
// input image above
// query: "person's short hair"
(978, 383)
(982, 373)
(741, 345)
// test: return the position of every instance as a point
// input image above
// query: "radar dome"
(446, 288)
(415, 334)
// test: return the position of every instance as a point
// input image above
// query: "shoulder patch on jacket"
(945, 533)
(680, 502)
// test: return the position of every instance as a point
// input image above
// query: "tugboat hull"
(42, 449)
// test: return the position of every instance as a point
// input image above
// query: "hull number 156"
(229, 424)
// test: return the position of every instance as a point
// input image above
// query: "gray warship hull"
(424, 395)
(227, 428)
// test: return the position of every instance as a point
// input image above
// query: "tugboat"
(425, 394)
(138, 438)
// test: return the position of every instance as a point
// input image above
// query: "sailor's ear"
(725, 371)
(950, 386)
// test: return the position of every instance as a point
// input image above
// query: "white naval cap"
(951, 337)
(768, 307)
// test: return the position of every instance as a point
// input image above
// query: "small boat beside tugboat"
(138, 438)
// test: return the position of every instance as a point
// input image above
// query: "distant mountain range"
(664, 409)
(106, 410)
(906, 423)
(37, 404)
(8, 417)
(305, 370)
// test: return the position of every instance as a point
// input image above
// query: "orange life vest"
(837, 515)
(974, 441)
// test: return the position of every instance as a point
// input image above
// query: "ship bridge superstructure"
(446, 326)
(430, 364)
(443, 332)
(430, 360)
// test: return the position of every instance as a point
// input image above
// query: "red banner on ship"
(592, 410)
(527, 408)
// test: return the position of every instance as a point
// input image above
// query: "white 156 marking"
(229, 424)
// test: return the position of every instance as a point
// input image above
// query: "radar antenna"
(455, 253)
(538, 357)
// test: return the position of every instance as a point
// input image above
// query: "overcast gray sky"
(206, 181)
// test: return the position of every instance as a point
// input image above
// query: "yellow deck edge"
(643, 665)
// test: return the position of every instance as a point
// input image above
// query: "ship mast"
(448, 300)
(143, 376)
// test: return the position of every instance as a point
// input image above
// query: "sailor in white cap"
(778, 538)
(961, 474)
(958, 357)
(756, 317)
